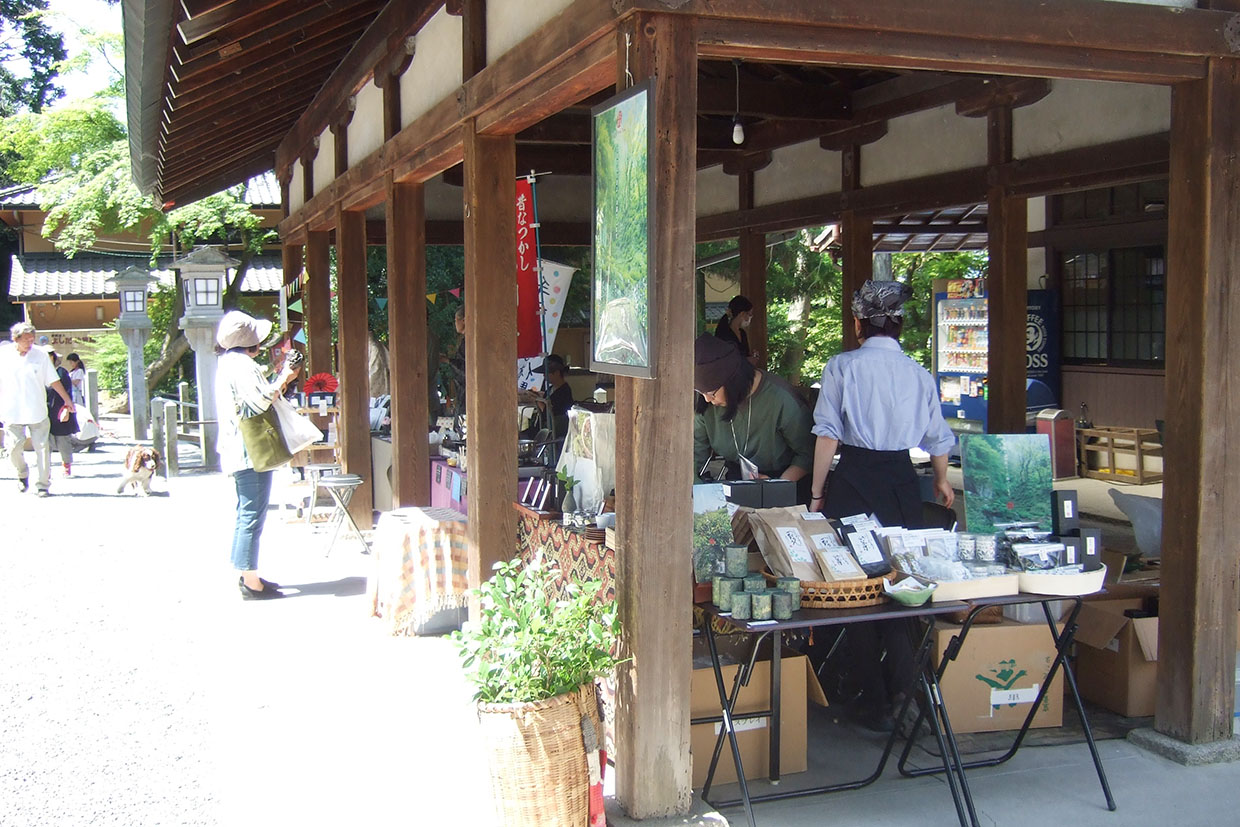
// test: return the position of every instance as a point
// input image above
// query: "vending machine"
(961, 343)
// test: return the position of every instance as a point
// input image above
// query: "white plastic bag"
(88, 428)
(298, 431)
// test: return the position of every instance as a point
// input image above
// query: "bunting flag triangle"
(295, 306)
(381, 302)
(431, 297)
(456, 291)
(300, 336)
(305, 276)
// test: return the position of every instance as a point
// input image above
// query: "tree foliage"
(30, 57)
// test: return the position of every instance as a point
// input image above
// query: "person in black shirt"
(733, 327)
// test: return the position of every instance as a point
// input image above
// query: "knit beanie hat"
(715, 361)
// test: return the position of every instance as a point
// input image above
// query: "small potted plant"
(569, 504)
(532, 655)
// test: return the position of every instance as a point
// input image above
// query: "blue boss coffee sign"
(1042, 339)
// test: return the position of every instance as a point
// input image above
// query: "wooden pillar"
(318, 303)
(654, 449)
(752, 246)
(490, 347)
(1201, 524)
(406, 256)
(353, 399)
(1006, 288)
(857, 242)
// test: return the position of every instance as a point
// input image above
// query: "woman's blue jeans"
(253, 494)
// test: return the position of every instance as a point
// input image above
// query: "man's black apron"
(882, 483)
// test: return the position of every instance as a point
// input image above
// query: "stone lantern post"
(204, 274)
(134, 325)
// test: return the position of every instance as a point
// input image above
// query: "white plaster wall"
(717, 192)
(1036, 268)
(435, 70)
(1079, 113)
(924, 143)
(797, 171)
(325, 161)
(443, 201)
(511, 21)
(366, 128)
(1035, 211)
(296, 196)
(564, 197)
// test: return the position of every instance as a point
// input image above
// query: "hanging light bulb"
(738, 129)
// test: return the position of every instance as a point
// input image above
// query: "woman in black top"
(734, 326)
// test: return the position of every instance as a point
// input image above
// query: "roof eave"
(147, 27)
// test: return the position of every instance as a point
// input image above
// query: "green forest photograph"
(621, 301)
(1007, 479)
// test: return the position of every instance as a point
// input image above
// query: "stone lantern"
(134, 325)
(204, 274)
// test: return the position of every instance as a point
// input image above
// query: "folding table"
(1063, 640)
(926, 681)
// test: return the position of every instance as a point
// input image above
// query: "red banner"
(529, 311)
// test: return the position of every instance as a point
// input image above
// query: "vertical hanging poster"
(529, 319)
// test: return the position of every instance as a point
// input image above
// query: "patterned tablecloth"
(421, 566)
(579, 558)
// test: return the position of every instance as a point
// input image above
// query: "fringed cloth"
(421, 562)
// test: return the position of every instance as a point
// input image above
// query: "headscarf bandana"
(880, 298)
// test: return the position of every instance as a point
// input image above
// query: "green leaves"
(536, 636)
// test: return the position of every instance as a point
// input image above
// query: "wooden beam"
(866, 133)
(407, 344)
(1197, 623)
(1010, 92)
(318, 303)
(773, 99)
(276, 30)
(473, 37)
(353, 421)
(239, 16)
(654, 439)
(398, 19)
(1006, 288)
(274, 68)
(786, 43)
(490, 347)
(1063, 23)
(752, 248)
(188, 192)
(857, 239)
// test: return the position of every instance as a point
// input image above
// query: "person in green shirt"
(752, 419)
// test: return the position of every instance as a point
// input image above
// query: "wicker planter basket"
(539, 776)
(846, 594)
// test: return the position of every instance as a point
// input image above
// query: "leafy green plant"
(566, 479)
(537, 635)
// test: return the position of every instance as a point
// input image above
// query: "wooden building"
(406, 122)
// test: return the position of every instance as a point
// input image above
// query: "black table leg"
(776, 721)
(726, 726)
(1062, 641)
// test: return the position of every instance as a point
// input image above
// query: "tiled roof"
(53, 276)
(261, 192)
(18, 197)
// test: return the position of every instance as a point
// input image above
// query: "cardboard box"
(1115, 562)
(996, 676)
(1117, 657)
(753, 734)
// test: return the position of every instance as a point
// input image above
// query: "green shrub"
(527, 645)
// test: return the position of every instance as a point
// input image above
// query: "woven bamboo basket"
(846, 594)
(539, 776)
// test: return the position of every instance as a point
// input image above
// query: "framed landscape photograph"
(1007, 479)
(621, 321)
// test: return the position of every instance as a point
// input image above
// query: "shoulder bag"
(264, 444)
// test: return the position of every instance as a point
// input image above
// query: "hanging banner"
(529, 334)
(557, 279)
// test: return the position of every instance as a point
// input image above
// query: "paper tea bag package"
(784, 543)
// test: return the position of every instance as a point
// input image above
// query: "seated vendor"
(752, 419)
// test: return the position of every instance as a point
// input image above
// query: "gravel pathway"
(136, 688)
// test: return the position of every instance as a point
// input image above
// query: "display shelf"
(963, 322)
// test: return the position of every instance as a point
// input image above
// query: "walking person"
(63, 425)
(245, 391)
(77, 378)
(26, 374)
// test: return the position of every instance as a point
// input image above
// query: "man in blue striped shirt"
(875, 404)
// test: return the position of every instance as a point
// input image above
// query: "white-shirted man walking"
(26, 372)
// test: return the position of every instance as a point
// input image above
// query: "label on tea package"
(794, 542)
(825, 541)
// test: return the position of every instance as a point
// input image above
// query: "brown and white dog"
(141, 463)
